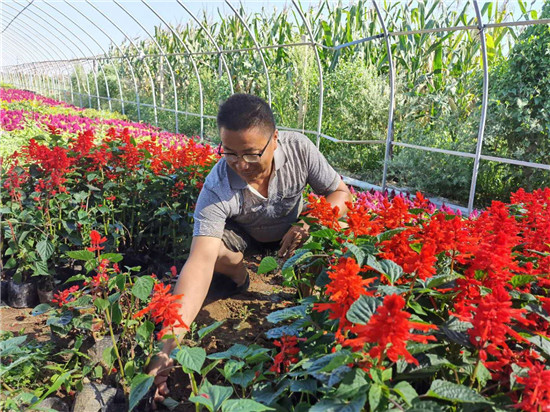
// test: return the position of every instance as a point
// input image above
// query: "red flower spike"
(389, 329)
(96, 240)
(164, 308)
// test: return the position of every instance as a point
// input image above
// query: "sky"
(53, 30)
(46, 30)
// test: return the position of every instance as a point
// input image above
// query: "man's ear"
(276, 137)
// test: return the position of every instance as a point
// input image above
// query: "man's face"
(249, 142)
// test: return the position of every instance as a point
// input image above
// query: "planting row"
(410, 307)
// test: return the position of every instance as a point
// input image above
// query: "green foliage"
(519, 114)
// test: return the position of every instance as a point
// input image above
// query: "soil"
(244, 317)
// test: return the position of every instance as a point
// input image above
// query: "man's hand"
(293, 239)
(160, 367)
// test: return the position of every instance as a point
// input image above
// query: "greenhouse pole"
(483, 108)
(128, 61)
(141, 55)
(319, 67)
(195, 69)
(95, 60)
(163, 53)
(389, 137)
(241, 19)
(209, 35)
(116, 45)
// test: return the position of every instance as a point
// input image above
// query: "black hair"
(243, 111)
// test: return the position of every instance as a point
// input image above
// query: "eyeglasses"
(248, 158)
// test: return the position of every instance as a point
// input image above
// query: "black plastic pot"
(45, 295)
(22, 295)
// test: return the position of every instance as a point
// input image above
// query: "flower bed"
(413, 308)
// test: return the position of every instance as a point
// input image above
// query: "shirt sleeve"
(210, 215)
(322, 178)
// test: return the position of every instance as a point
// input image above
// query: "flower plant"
(411, 307)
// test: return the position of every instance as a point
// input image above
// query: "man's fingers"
(287, 239)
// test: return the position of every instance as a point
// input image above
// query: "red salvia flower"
(63, 297)
(536, 393)
(492, 323)
(164, 308)
(319, 208)
(389, 329)
(287, 354)
(96, 240)
(345, 287)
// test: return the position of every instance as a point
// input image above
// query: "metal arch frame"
(58, 54)
(58, 48)
(477, 156)
(389, 138)
(80, 50)
(481, 129)
(259, 50)
(116, 71)
(319, 67)
(140, 53)
(26, 52)
(46, 27)
(195, 68)
(104, 52)
(164, 55)
(211, 38)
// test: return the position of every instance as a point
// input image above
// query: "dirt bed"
(244, 317)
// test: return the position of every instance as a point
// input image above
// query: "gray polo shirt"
(225, 196)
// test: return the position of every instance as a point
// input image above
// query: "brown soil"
(244, 317)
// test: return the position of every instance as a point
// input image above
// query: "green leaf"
(112, 257)
(353, 384)
(45, 249)
(210, 328)
(201, 400)
(244, 405)
(357, 252)
(129, 369)
(362, 309)
(40, 309)
(406, 391)
(191, 359)
(387, 235)
(75, 278)
(521, 280)
(143, 287)
(306, 386)
(55, 386)
(337, 405)
(327, 363)
(455, 393)
(40, 268)
(299, 256)
(116, 313)
(101, 303)
(267, 264)
(375, 395)
(84, 255)
(388, 268)
(287, 313)
(139, 387)
(145, 330)
(542, 343)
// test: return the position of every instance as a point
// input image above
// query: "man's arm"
(298, 234)
(193, 282)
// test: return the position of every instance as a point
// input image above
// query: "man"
(251, 198)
